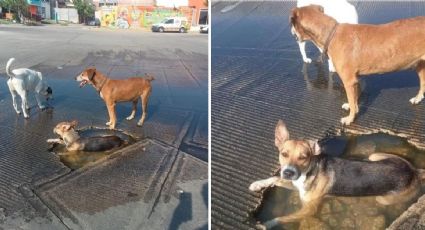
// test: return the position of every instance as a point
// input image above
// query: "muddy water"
(346, 212)
(78, 159)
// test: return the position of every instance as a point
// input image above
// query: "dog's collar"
(329, 39)
(101, 85)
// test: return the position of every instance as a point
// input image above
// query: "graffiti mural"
(107, 17)
(124, 17)
(159, 14)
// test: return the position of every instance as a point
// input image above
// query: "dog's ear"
(74, 123)
(91, 73)
(281, 134)
(66, 127)
(315, 147)
(294, 15)
(318, 8)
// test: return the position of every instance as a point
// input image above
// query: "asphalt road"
(146, 184)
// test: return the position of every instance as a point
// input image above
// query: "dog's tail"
(149, 77)
(9, 63)
(421, 174)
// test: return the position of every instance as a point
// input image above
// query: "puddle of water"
(346, 212)
(78, 159)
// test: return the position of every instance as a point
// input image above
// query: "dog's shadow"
(371, 86)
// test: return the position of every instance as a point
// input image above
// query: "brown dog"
(363, 49)
(388, 177)
(113, 91)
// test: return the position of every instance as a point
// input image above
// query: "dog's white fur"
(340, 10)
(21, 82)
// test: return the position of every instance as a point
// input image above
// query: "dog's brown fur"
(364, 49)
(113, 91)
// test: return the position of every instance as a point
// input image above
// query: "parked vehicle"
(93, 22)
(204, 29)
(177, 24)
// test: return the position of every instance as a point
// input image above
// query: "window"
(170, 21)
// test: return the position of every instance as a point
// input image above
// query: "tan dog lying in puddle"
(73, 142)
(390, 178)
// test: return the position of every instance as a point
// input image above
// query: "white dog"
(340, 10)
(21, 82)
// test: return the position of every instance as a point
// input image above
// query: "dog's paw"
(260, 226)
(346, 120)
(416, 100)
(26, 116)
(129, 118)
(270, 224)
(139, 123)
(52, 140)
(18, 112)
(307, 60)
(256, 186)
(108, 123)
(346, 106)
(42, 108)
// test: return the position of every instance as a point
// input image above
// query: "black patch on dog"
(368, 178)
(98, 144)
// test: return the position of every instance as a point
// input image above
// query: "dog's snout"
(290, 173)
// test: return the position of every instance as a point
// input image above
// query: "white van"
(179, 24)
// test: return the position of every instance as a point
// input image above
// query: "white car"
(204, 29)
(171, 24)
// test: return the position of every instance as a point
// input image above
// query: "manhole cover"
(78, 159)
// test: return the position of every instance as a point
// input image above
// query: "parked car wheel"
(160, 29)
(182, 30)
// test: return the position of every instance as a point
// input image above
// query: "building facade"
(39, 9)
(144, 13)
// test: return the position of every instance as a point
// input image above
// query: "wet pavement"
(258, 77)
(167, 165)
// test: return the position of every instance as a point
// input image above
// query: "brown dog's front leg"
(112, 116)
(260, 184)
(145, 99)
(351, 88)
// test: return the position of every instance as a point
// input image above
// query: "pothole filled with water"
(345, 212)
(78, 159)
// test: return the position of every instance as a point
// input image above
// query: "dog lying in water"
(388, 177)
(73, 142)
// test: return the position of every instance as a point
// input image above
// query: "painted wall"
(138, 16)
(46, 6)
(173, 3)
(67, 14)
(34, 2)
